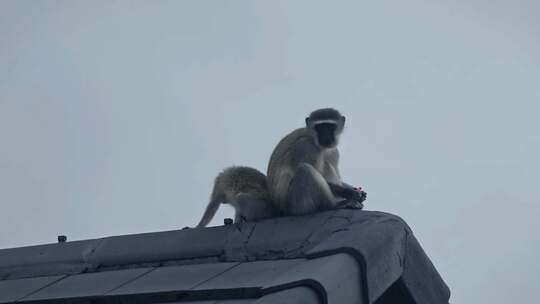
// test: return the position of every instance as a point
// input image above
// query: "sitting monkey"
(303, 174)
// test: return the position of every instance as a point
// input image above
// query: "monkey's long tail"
(216, 198)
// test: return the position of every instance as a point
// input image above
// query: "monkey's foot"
(350, 204)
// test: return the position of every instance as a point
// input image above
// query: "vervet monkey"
(303, 174)
(243, 188)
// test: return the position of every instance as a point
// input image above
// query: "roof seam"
(129, 281)
(214, 276)
(41, 288)
(307, 241)
(246, 241)
(88, 257)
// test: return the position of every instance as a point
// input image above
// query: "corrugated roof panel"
(296, 295)
(49, 253)
(385, 246)
(88, 284)
(46, 260)
(243, 301)
(336, 278)
(190, 302)
(11, 290)
(160, 246)
(173, 278)
(287, 236)
(417, 269)
(377, 239)
(253, 274)
(382, 245)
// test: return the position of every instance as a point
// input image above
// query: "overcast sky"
(115, 116)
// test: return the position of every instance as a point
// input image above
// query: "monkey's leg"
(250, 208)
(350, 204)
(308, 192)
(346, 191)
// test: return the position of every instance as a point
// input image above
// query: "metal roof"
(339, 256)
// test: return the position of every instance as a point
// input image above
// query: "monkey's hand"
(348, 192)
(356, 194)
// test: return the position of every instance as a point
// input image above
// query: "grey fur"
(303, 176)
(243, 188)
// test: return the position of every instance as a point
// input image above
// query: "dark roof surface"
(340, 256)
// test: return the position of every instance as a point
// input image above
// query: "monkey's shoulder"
(297, 139)
(297, 147)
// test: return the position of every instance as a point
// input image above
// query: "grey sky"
(115, 116)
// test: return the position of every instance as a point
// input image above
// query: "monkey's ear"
(307, 121)
(342, 122)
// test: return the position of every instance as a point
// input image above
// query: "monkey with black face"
(303, 174)
(243, 188)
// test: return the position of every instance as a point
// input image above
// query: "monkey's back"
(295, 148)
(240, 179)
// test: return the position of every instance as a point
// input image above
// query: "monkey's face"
(327, 134)
(328, 123)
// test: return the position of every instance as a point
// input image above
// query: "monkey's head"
(328, 123)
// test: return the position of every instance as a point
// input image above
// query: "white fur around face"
(324, 121)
